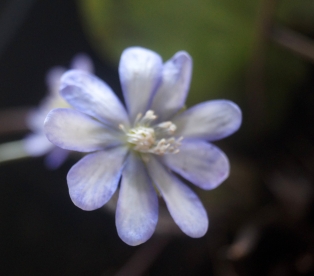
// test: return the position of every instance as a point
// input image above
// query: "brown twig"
(296, 42)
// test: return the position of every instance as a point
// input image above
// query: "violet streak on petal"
(90, 95)
(201, 163)
(212, 120)
(93, 180)
(72, 130)
(171, 95)
(140, 72)
(183, 204)
(137, 208)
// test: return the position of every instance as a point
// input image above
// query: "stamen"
(166, 146)
(156, 140)
(138, 117)
(166, 127)
(148, 118)
(122, 127)
(142, 138)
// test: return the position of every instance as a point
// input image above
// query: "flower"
(147, 144)
(37, 144)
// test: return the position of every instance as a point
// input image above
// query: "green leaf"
(217, 34)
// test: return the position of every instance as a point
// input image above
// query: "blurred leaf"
(297, 13)
(217, 34)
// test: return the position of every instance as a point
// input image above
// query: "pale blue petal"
(212, 120)
(72, 130)
(92, 96)
(140, 74)
(183, 204)
(53, 78)
(93, 180)
(82, 62)
(55, 158)
(36, 117)
(201, 163)
(37, 144)
(137, 208)
(176, 77)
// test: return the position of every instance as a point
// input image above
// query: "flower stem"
(12, 151)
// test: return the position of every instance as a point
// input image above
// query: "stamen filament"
(146, 139)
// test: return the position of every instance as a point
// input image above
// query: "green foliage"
(217, 34)
(298, 14)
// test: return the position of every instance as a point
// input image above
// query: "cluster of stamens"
(155, 139)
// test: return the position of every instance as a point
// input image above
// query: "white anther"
(138, 117)
(143, 138)
(166, 146)
(122, 127)
(167, 127)
(148, 118)
(156, 140)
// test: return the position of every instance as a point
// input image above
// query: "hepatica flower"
(36, 144)
(147, 145)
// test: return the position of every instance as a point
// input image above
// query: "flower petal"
(53, 78)
(176, 77)
(55, 158)
(140, 73)
(35, 119)
(183, 204)
(212, 120)
(73, 130)
(37, 144)
(199, 162)
(93, 180)
(137, 208)
(82, 62)
(92, 96)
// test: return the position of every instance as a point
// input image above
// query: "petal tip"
(198, 233)
(185, 56)
(238, 115)
(133, 239)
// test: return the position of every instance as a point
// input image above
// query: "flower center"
(155, 139)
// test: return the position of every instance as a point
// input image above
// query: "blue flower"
(147, 144)
(36, 144)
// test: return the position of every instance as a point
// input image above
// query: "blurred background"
(258, 54)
